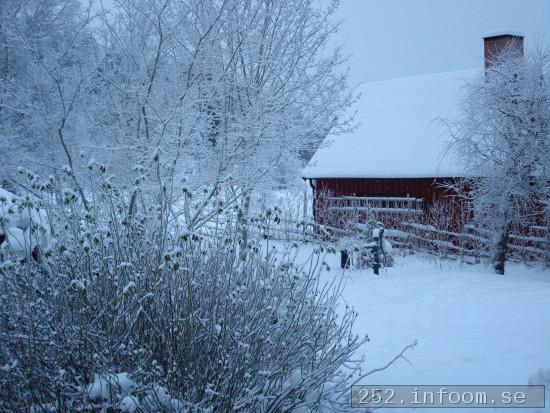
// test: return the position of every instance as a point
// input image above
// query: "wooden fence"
(472, 242)
(531, 245)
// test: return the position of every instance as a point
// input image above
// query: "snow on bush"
(104, 387)
(23, 226)
(128, 310)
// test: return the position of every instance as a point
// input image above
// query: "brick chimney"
(494, 43)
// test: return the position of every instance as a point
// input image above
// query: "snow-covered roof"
(399, 133)
(502, 33)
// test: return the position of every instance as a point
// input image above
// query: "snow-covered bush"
(130, 311)
(24, 228)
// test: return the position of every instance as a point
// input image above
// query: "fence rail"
(531, 245)
(471, 242)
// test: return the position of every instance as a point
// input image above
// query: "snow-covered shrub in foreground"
(126, 293)
(23, 226)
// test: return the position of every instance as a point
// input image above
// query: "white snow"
(130, 286)
(497, 33)
(400, 132)
(388, 248)
(15, 224)
(16, 240)
(8, 197)
(293, 380)
(119, 388)
(159, 397)
(129, 404)
(99, 389)
(472, 326)
(105, 386)
(9, 216)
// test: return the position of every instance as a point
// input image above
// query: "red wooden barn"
(395, 162)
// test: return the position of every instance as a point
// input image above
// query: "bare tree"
(503, 137)
(48, 54)
(230, 93)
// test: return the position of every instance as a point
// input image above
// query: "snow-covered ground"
(472, 326)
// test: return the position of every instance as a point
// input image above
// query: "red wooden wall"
(429, 189)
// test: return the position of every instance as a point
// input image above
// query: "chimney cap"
(501, 33)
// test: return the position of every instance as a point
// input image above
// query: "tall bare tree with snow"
(47, 57)
(504, 139)
(228, 94)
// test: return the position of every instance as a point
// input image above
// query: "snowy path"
(472, 326)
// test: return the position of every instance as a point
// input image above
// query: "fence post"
(344, 259)
(376, 265)
(377, 249)
(305, 204)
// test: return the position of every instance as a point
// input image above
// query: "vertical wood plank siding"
(430, 189)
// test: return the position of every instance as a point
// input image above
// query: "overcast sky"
(396, 38)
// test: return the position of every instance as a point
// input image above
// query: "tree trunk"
(501, 248)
